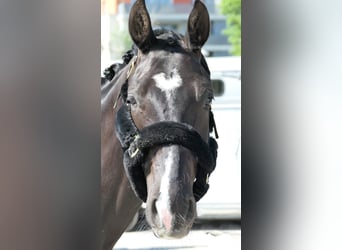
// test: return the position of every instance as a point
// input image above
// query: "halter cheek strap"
(123, 92)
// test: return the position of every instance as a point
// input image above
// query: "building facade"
(171, 14)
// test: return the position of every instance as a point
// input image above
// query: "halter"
(136, 144)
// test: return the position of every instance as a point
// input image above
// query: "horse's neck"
(109, 141)
(117, 195)
(111, 155)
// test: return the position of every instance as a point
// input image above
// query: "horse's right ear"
(139, 25)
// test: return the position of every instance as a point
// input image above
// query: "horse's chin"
(162, 233)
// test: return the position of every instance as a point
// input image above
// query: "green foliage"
(120, 43)
(232, 8)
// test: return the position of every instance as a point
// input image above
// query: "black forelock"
(168, 36)
(172, 38)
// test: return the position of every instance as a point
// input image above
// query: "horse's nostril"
(154, 207)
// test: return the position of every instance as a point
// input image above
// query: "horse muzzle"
(167, 224)
(136, 144)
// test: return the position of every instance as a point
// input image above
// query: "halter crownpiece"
(136, 144)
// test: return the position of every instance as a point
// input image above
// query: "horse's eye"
(131, 100)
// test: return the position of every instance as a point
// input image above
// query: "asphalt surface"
(215, 235)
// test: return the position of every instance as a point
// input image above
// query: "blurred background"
(224, 40)
(50, 124)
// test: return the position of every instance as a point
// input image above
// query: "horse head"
(164, 123)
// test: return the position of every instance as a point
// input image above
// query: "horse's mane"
(113, 69)
(170, 37)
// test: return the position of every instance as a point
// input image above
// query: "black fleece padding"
(125, 127)
(136, 145)
(169, 133)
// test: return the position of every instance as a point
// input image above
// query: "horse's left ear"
(198, 26)
(139, 25)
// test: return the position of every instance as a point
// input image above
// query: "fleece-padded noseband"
(137, 143)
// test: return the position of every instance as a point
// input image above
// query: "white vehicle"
(223, 199)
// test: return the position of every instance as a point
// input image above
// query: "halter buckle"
(136, 151)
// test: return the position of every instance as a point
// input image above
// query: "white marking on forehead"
(168, 83)
(171, 159)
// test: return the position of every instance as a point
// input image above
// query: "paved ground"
(208, 236)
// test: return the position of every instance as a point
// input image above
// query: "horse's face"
(170, 83)
(175, 87)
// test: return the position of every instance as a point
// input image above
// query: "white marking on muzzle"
(163, 203)
(168, 84)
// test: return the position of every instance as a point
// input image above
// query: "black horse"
(156, 120)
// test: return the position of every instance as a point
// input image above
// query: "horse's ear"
(198, 26)
(140, 27)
